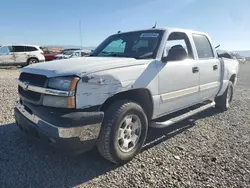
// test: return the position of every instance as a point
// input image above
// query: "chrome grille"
(33, 79)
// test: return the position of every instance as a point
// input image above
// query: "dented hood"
(80, 66)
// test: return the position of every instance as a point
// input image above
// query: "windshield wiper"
(145, 56)
(104, 52)
(113, 54)
(121, 55)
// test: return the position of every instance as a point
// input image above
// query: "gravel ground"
(210, 150)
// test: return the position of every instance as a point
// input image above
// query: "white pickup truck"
(129, 81)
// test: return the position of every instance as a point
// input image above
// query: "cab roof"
(170, 29)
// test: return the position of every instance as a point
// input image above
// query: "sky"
(57, 22)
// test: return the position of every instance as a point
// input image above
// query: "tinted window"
(76, 54)
(4, 50)
(139, 44)
(68, 52)
(179, 39)
(171, 43)
(10, 48)
(84, 53)
(48, 52)
(203, 46)
(19, 48)
(1, 50)
(115, 46)
(30, 48)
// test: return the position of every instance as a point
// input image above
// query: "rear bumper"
(76, 131)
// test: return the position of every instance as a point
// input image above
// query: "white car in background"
(20, 54)
(64, 55)
(242, 59)
(80, 53)
(72, 53)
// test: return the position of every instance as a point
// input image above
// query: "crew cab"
(127, 84)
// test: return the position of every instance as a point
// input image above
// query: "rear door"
(20, 54)
(208, 66)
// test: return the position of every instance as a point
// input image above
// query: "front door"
(209, 67)
(6, 56)
(178, 80)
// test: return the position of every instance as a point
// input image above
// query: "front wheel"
(123, 133)
(223, 102)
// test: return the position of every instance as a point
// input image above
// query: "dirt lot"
(213, 150)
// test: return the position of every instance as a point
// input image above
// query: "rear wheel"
(32, 61)
(223, 102)
(123, 132)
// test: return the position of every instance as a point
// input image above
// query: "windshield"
(76, 54)
(139, 45)
(68, 52)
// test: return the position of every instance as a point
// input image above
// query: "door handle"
(195, 69)
(215, 67)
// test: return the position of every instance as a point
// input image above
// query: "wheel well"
(140, 96)
(32, 58)
(232, 78)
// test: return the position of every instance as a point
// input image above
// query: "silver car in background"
(72, 53)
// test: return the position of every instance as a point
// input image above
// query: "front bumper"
(41, 59)
(66, 130)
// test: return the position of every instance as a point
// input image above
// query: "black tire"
(32, 61)
(223, 102)
(108, 143)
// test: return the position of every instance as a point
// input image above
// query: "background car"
(72, 53)
(20, 54)
(69, 49)
(238, 57)
(224, 54)
(64, 55)
(49, 55)
(80, 53)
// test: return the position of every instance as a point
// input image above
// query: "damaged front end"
(62, 126)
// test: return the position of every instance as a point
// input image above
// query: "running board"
(181, 117)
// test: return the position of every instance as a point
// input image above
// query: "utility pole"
(80, 27)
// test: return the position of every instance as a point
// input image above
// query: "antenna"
(217, 46)
(80, 28)
(154, 25)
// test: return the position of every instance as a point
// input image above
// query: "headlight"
(59, 102)
(63, 83)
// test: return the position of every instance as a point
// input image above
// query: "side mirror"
(176, 53)
(165, 59)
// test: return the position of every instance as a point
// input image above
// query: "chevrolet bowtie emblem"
(25, 85)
